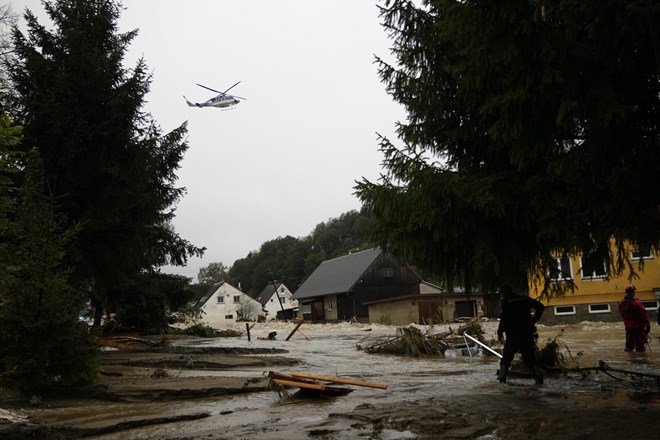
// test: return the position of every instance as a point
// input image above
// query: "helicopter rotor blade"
(225, 92)
(213, 90)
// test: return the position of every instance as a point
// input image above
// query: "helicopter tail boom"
(190, 104)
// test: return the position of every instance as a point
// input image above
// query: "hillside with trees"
(290, 260)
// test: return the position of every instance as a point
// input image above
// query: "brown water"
(330, 349)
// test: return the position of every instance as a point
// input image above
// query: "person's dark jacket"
(516, 317)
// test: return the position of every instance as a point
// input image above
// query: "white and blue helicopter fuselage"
(220, 101)
(223, 100)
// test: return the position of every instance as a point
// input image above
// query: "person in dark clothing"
(519, 314)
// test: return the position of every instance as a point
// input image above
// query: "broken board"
(307, 387)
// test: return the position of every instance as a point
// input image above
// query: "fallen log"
(339, 380)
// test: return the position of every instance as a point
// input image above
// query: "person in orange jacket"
(635, 321)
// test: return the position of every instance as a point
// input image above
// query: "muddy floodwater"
(333, 350)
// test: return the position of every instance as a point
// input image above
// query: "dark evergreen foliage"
(43, 346)
(107, 163)
(146, 303)
(532, 131)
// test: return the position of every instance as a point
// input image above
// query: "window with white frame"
(593, 267)
(637, 254)
(221, 299)
(330, 304)
(560, 269)
(564, 310)
(650, 304)
(229, 316)
(237, 299)
(599, 308)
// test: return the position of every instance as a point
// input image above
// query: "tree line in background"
(291, 260)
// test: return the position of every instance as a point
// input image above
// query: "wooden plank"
(294, 330)
(291, 383)
(276, 375)
(312, 387)
(340, 380)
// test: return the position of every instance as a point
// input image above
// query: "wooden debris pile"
(315, 385)
(410, 341)
(128, 341)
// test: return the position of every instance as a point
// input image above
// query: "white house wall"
(223, 306)
(273, 306)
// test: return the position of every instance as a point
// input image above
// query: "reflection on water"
(331, 349)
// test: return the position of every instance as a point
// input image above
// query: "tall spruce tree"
(109, 166)
(43, 346)
(532, 131)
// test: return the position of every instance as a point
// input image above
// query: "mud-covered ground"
(157, 393)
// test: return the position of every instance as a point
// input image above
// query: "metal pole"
(483, 345)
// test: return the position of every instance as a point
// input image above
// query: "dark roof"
(338, 275)
(267, 293)
(209, 293)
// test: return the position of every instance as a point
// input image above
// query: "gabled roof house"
(340, 288)
(275, 299)
(224, 304)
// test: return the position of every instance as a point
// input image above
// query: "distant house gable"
(209, 293)
(223, 304)
(267, 294)
(274, 301)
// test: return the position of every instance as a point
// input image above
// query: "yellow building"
(597, 295)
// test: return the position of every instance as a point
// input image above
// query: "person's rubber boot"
(503, 372)
(538, 375)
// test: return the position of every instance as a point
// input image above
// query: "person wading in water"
(519, 314)
(635, 321)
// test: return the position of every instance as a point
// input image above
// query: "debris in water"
(12, 417)
(410, 341)
(315, 384)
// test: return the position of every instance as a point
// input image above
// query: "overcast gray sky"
(286, 158)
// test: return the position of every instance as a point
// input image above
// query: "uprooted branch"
(604, 368)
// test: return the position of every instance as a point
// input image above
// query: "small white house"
(224, 304)
(274, 299)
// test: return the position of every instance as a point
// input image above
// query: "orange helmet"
(630, 288)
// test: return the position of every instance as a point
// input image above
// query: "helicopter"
(223, 100)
